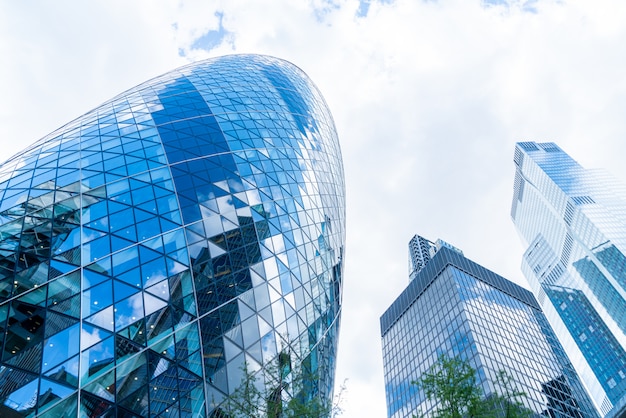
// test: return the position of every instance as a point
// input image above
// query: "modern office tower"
(573, 221)
(456, 307)
(152, 247)
(421, 251)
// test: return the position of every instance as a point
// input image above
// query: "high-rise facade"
(456, 307)
(422, 250)
(573, 221)
(152, 247)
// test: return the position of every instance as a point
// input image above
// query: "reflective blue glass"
(188, 226)
(573, 221)
(456, 307)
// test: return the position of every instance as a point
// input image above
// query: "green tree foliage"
(277, 391)
(507, 401)
(451, 383)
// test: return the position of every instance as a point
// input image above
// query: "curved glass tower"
(152, 247)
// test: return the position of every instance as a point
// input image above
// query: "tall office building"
(151, 247)
(456, 307)
(422, 250)
(573, 221)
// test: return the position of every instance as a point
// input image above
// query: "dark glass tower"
(573, 221)
(456, 307)
(151, 247)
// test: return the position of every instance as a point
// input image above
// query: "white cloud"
(428, 97)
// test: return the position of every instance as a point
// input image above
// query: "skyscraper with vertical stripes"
(455, 307)
(573, 222)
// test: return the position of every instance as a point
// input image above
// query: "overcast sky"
(429, 98)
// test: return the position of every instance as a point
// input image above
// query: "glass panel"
(153, 272)
(22, 400)
(91, 278)
(97, 298)
(98, 358)
(128, 311)
(66, 373)
(61, 346)
(51, 392)
(103, 319)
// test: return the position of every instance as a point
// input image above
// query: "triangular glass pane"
(193, 363)
(173, 266)
(66, 373)
(104, 386)
(167, 225)
(72, 256)
(61, 346)
(244, 310)
(26, 394)
(264, 327)
(147, 254)
(27, 359)
(56, 322)
(128, 311)
(161, 290)
(98, 359)
(266, 314)
(70, 306)
(235, 334)
(125, 348)
(132, 277)
(97, 298)
(135, 332)
(187, 380)
(118, 243)
(67, 407)
(122, 290)
(103, 319)
(153, 304)
(50, 392)
(231, 350)
(91, 335)
(153, 244)
(214, 250)
(254, 356)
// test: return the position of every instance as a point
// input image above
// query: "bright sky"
(428, 96)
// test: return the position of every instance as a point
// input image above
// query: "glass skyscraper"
(421, 251)
(152, 247)
(573, 221)
(456, 307)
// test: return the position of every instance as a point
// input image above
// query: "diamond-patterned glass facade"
(152, 247)
(573, 222)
